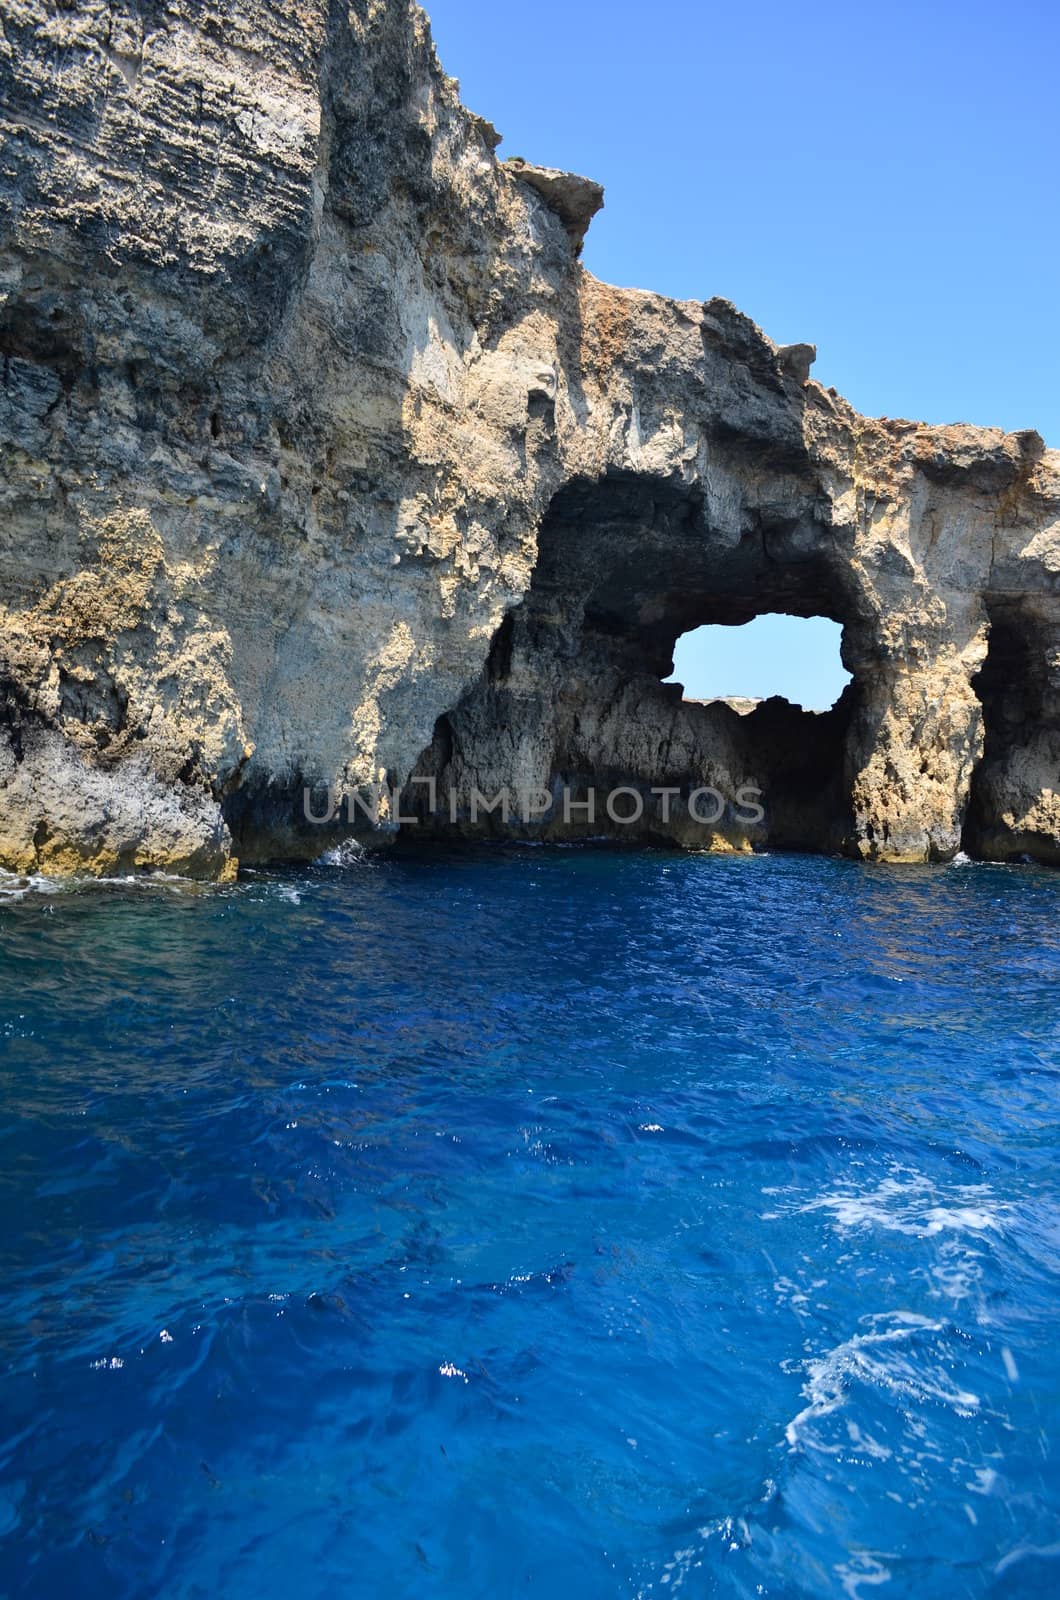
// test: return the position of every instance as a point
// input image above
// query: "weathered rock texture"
(324, 459)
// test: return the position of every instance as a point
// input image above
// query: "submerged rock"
(326, 463)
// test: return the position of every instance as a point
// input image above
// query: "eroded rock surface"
(324, 461)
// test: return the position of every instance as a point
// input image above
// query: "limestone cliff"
(323, 459)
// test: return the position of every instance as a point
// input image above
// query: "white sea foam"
(802, 1298)
(861, 1569)
(909, 1203)
(346, 854)
(17, 885)
(959, 1221)
(956, 1274)
(1044, 1552)
(886, 1359)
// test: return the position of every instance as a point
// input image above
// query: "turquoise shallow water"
(561, 1223)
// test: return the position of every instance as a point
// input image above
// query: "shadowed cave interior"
(1019, 687)
(573, 699)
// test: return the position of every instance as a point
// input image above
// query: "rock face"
(325, 462)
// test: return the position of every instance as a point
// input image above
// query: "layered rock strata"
(325, 463)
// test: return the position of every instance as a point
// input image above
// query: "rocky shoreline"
(324, 463)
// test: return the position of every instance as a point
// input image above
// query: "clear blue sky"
(797, 657)
(876, 179)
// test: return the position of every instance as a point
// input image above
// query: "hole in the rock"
(1004, 683)
(1013, 688)
(571, 705)
(795, 657)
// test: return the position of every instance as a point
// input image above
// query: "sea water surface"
(562, 1223)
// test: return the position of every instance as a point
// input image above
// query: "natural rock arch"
(571, 699)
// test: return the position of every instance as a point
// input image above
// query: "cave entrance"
(572, 701)
(1012, 808)
(797, 658)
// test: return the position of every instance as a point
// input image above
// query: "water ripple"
(546, 1222)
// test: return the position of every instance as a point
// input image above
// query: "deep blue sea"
(532, 1222)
